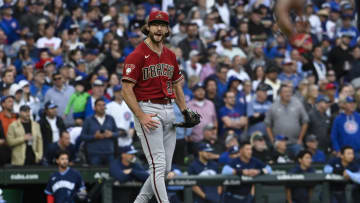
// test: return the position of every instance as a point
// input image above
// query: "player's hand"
(99, 135)
(127, 171)
(346, 176)
(108, 134)
(28, 137)
(148, 123)
(171, 175)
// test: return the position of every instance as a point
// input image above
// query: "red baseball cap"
(330, 86)
(159, 16)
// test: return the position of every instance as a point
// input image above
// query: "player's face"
(63, 161)
(348, 155)
(157, 32)
(246, 151)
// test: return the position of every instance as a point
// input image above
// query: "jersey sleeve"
(132, 67)
(177, 76)
(48, 189)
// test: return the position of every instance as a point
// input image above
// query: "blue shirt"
(10, 27)
(300, 193)
(353, 31)
(54, 148)
(208, 169)
(233, 114)
(256, 107)
(39, 93)
(138, 173)
(239, 165)
(294, 78)
(64, 186)
(345, 131)
(319, 157)
(181, 133)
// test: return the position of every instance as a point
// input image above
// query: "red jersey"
(152, 74)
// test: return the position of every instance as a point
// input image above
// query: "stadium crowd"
(61, 64)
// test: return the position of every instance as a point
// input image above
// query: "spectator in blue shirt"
(346, 128)
(297, 194)
(348, 29)
(311, 144)
(345, 166)
(232, 147)
(230, 116)
(204, 166)
(289, 73)
(244, 165)
(9, 24)
(125, 169)
(99, 132)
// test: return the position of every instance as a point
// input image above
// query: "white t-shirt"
(233, 52)
(193, 72)
(74, 133)
(54, 129)
(45, 42)
(123, 118)
(242, 75)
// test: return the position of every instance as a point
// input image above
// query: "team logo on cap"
(159, 16)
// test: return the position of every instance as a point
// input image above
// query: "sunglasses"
(57, 79)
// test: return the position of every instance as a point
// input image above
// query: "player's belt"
(158, 101)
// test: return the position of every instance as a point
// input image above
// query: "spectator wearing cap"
(77, 102)
(230, 51)
(51, 125)
(298, 193)
(339, 57)
(28, 99)
(203, 165)
(346, 128)
(271, 79)
(260, 150)
(205, 108)
(63, 144)
(26, 72)
(125, 169)
(134, 40)
(289, 72)
(192, 41)
(24, 139)
(60, 95)
(17, 92)
(244, 165)
(240, 95)
(7, 115)
(211, 137)
(99, 132)
(193, 67)
(9, 24)
(49, 41)
(232, 117)
(256, 28)
(311, 144)
(319, 122)
(123, 117)
(348, 29)
(49, 68)
(74, 41)
(38, 88)
(280, 120)
(97, 92)
(232, 147)
(279, 152)
(257, 109)
(238, 69)
(23, 60)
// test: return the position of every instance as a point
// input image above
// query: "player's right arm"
(129, 96)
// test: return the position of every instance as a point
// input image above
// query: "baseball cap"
(310, 138)
(117, 88)
(49, 62)
(349, 99)
(198, 85)
(129, 149)
(262, 87)
(209, 126)
(24, 108)
(233, 149)
(258, 136)
(4, 98)
(98, 82)
(330, 86)
(346, 16)
(322, 98)
(204, 147)
(50, 105)
(287, 61)
(323, 12)
(133, 35)
(29, 35)
(23, 83)
(272, 69)
(229, 138)
(281, 138)
(347, 6)
(92, 51)
(158, 16)
(5, 6)
(326, 5)
(106, 18)
(102, 78)
(233, 78)
(14, 89)
(193, 53)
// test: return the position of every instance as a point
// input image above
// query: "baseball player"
(151, 81)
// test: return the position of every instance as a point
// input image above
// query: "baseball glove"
(191, 119)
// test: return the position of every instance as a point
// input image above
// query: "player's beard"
(154, 38)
